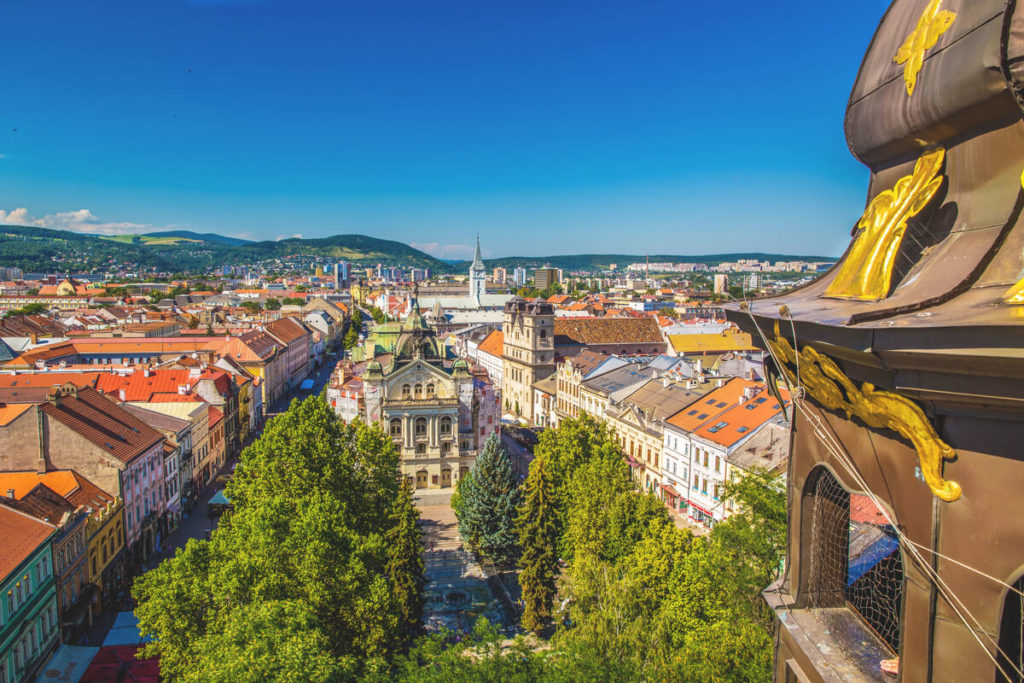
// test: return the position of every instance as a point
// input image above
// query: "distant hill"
(43, 250)
(180, 251)
(211, 237)
(602, 261)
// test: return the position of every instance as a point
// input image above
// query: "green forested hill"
(43, 250)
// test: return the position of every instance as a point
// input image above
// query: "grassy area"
(149, 240)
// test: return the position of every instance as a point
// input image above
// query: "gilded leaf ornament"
(822, 379)
(1015, 295)
(866, 272)
(932, 24)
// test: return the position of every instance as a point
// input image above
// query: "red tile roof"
(589, 331)
(20, 536)
(712, 404)
(96, 418)
(742, 420)
(493, 343)
(287, 330)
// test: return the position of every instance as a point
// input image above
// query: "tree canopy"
(315, 575)
(488, 504)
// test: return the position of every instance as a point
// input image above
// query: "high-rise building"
(500, 275)
(544, 277)
(721, 283)
(342, 275)
(519, 275)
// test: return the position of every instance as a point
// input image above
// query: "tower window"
(855, 557)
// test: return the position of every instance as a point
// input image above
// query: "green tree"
(354, 327)
(318, 556)
(253, 307)
(272, 304)
(489, 504)
(457, 500)
(538, 537)
(405, 560)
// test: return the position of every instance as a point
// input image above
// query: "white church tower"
(477, 277)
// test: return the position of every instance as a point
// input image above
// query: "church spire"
(477, 258)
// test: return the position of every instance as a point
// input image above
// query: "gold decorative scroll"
(823, 380)
(1015, 295)
(866, 272)
(930, 26)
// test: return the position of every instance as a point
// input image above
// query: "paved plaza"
(458, 590)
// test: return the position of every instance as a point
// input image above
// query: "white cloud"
(82, 220)
(445, 251)
(296, 236)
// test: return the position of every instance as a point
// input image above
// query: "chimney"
(10, 493)
(665, 381)
(120, 394)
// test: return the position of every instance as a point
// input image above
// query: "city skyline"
(575, 129)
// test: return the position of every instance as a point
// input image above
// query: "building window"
(421, 426)
(418, 391)
(396, 426)
(446, 448)
(421, 449)
(405, 391)
(431, 390)
(446, 425)
(855, 557)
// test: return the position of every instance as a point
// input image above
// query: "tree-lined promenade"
(317, 574)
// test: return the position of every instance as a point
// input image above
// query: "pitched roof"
(20, 536)
(586, 361)
(493, 343)
(215, 416)
(95, 417)
(657, 401)
(740, 421)
(10, 412)
(287, 330)
(619, 378)
(712, 404)
(592, 331)
(42, 503)
(711, 343)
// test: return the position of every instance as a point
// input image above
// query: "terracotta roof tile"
(95, 417)
(493, 343)
(607, 331)
(20, 536)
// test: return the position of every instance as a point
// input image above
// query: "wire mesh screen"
(855, 558)
(1011, 637)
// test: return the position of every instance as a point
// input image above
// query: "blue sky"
(546, 127)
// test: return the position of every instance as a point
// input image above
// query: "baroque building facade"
(435, 414)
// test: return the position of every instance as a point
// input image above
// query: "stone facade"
(528, 353)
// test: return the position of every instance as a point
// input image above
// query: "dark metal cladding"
(944, 338)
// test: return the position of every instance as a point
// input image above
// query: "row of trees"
(643, 600)
(316, 575)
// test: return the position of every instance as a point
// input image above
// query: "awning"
(125, 631)
(670, 490)
(119, 664)
(698, 507)
(69, 663)
(219, 499)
